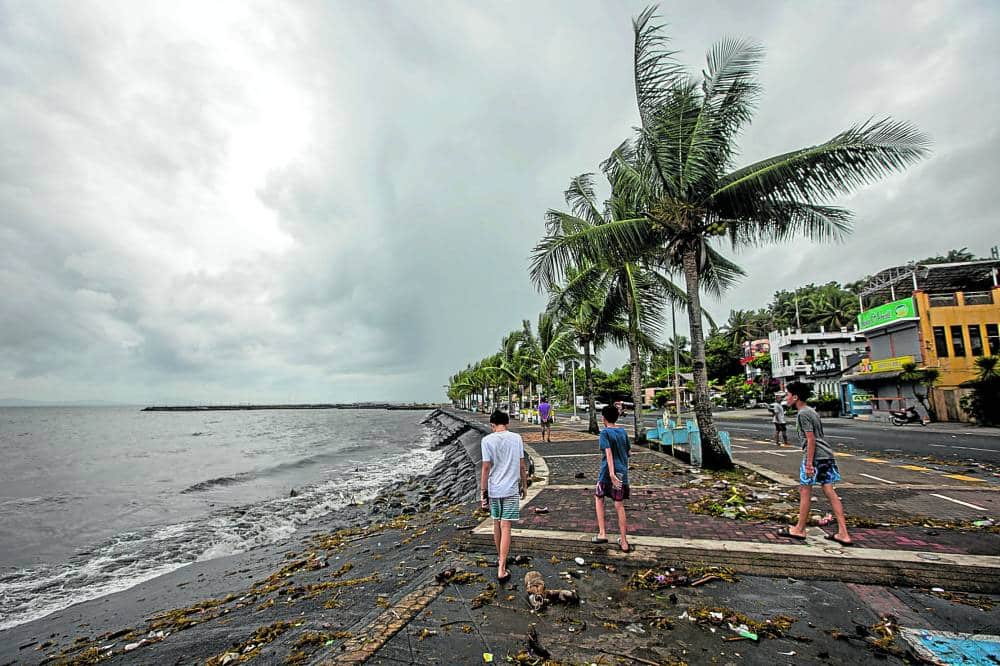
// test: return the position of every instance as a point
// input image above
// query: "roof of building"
(933, 278)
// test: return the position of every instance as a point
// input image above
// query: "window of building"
(940, 341)
(993, 338)
(957, 341)
(786, 358)
(823, 353)
(810, 355)
(975, 340)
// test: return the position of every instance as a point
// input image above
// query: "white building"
(818, 358)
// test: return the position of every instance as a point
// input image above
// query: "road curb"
(815, 560)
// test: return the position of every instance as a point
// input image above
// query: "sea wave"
(139, 555)
(243, 477)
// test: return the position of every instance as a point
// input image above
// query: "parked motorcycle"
(902, 416)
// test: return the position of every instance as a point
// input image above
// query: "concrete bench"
(685, 439)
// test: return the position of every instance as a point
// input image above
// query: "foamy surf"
(136, 556)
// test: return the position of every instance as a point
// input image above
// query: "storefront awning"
(871, 377)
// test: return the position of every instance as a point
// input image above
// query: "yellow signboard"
(884, 364)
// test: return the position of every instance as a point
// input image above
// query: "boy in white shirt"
(503, 468)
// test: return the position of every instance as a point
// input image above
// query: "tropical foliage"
(984, 403)
(676, 191)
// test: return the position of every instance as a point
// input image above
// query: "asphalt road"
(945, 441)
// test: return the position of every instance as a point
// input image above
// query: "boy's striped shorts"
(505, 508)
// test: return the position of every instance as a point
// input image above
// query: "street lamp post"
(677, 382)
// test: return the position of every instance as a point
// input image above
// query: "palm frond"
(619, 241)
(845, 163)
(581, 199)
(729, 93)
(655, 68)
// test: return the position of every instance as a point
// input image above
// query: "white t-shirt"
(778, 413)
(504, 450)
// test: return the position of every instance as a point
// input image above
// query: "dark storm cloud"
(337, 201)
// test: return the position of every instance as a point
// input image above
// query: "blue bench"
(685, 439)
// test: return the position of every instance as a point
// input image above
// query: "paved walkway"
(906, 532)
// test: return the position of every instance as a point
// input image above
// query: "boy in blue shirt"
(612, 480)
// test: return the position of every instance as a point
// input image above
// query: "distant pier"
(238, 408)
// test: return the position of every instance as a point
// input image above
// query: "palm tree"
(543, 353)
(682, 163)
(636, 292)
(580, 306)
(926, 377)
(742, 325)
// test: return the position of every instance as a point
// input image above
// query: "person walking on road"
(818, 467)
(777, 409)
(545, 418)
(503, 468)
(612, 480)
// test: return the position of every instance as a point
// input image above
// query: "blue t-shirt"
(615, 439)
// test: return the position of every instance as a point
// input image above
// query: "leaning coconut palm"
(682, 165)
(636, 293)
(579, 305)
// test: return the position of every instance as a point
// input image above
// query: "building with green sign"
(948, 318)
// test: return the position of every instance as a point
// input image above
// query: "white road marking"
(967, 448)
(952, 499)
(892, 483)
(740, 446)
(569, 455)
(774, 453)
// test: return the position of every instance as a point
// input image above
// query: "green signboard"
(904, 308)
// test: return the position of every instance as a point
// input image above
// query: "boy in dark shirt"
(612, 480)
(818, 467)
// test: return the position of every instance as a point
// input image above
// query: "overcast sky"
(337, 200)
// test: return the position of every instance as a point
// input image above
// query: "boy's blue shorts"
(825, 472)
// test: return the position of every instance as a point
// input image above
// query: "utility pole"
(575, 417)
(677, 381)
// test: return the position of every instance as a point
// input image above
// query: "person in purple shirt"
(545, 417)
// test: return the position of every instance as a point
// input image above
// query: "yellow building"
(955, 329)
(941, 316)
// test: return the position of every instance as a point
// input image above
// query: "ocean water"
(96, 500)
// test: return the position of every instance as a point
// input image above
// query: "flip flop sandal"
(833, 537)
(503, 579)
(623, 548)
(785, 532)
(541, 509)
(598, 540)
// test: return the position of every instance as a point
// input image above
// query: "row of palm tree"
(675, 191)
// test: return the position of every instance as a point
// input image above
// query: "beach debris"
(635, 628)
(488, 657)
(580, 561)
(534, 646)
(744, 626)
(742, 630)
(982, 603)
(486, 596)
(790, 653)
(579, 475)
(228, 658)
(541, 509)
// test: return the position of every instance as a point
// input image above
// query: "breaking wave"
(139, 555)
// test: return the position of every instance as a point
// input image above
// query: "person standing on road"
(778, 417)
(818, 467)
(612, 480)
(503, 468)
(545, 418)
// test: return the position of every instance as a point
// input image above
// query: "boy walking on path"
(612, 480)
(778, 417)
(503, 468)
(545, 417)
(818, 467)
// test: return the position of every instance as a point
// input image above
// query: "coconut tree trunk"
(591, 406)
(712, 454)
